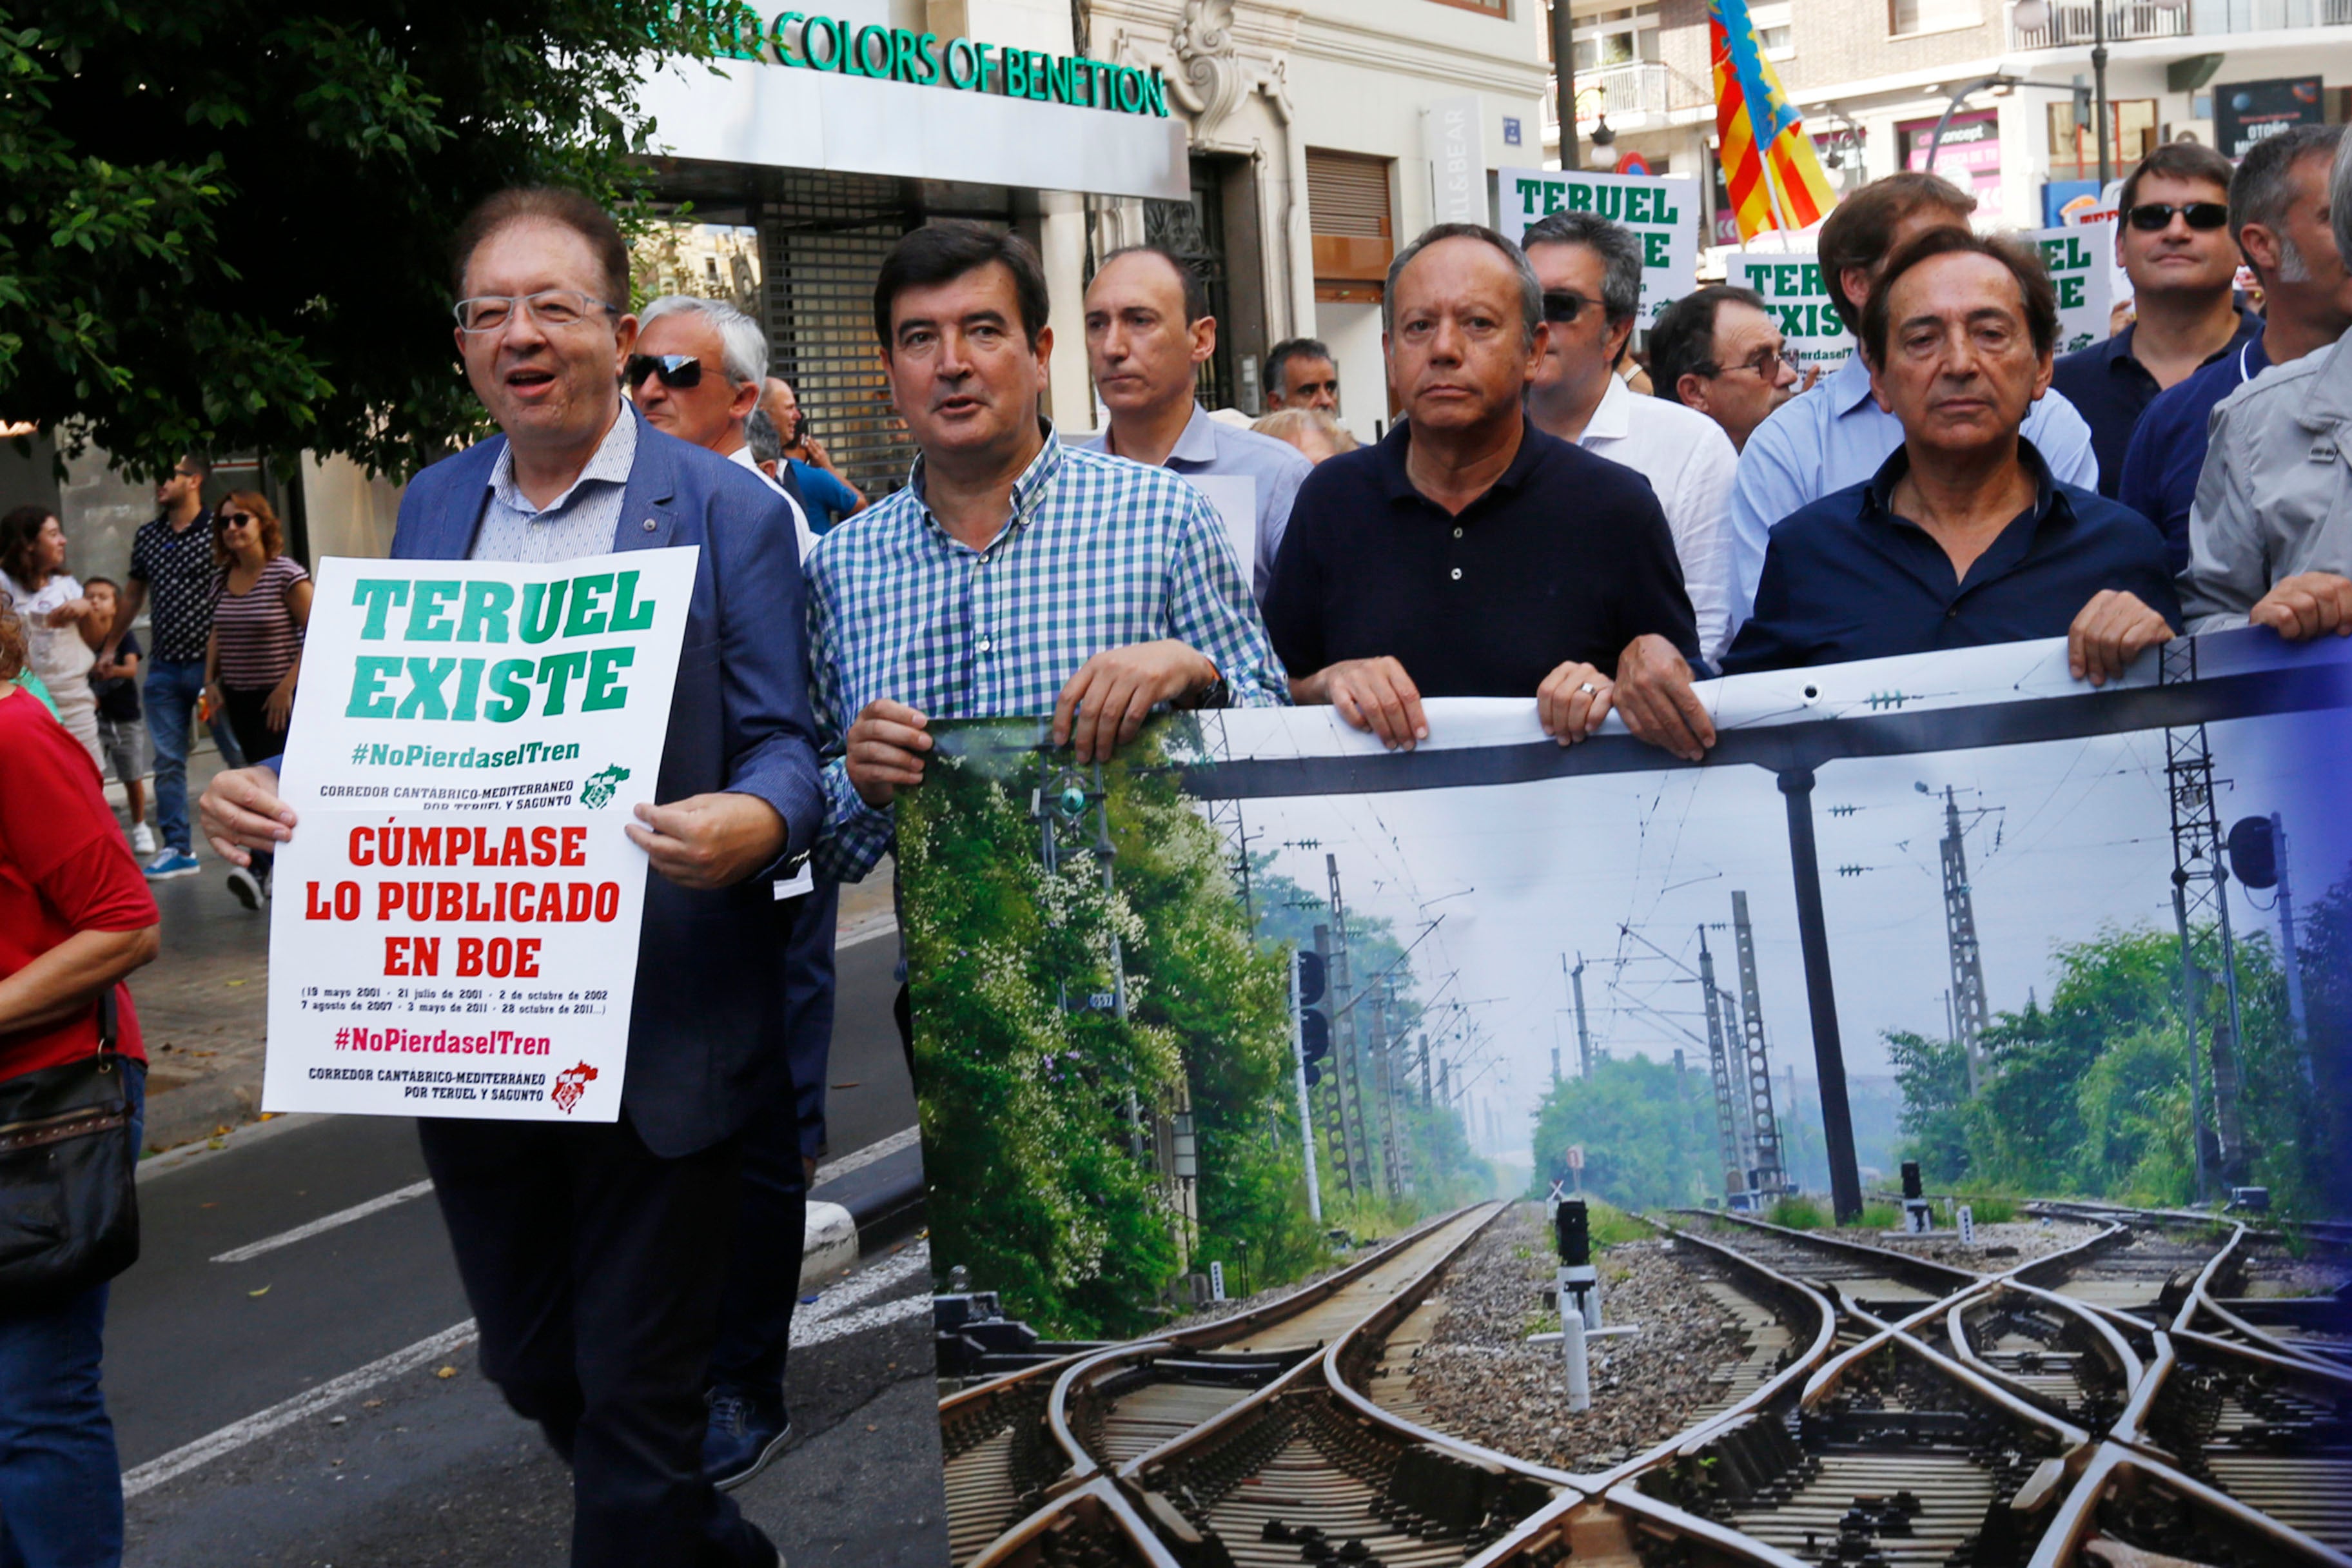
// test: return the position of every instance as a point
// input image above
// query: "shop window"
(2131, 136)
(1933, 16)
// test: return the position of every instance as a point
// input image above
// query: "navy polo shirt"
(1565, 558)
(2168, 452)
(1849, 578)
(2111, 390)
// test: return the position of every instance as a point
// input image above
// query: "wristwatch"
(1214, 693)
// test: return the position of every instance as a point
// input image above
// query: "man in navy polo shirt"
(2278, 213)
(2175, 246)
(1470, 554)
(1962, 537)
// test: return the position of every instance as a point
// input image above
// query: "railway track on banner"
(1043, 1438)
(2128, 1402)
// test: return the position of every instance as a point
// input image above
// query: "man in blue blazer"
(593, 1255)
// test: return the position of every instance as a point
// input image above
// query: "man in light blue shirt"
(1836, 434)
(1148, 327)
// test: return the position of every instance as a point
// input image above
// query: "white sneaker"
(246, 886)
(143, 840)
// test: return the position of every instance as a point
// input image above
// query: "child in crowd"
(121, 733)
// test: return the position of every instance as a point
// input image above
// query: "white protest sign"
(1791, 282)
(1662, 209)
(456, 920)
(2080, 258)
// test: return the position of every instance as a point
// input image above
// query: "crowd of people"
(1530, 525)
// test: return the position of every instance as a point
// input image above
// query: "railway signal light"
(2253, 853)
(1314, 1044)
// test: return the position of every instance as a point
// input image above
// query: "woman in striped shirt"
(255, 653)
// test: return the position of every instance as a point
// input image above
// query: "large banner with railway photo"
(1344, 1155)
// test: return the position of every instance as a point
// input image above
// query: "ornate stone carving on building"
(1215, 75)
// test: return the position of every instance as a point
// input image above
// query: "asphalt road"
(318, 1402)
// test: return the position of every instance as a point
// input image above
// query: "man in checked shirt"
(1013, 575)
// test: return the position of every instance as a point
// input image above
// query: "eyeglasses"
(2150, 217)
(678, 371)
(1765, 364)
(1560, 305)
(229, 520)
(554, 309)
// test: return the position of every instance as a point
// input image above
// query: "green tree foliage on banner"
(2091, 1094)
(1648, 1134)
(1042, 1183)
(224, 225)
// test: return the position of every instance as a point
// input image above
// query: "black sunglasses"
(1560, 305)
(229, 520)
(678, 371)
(2152, 217)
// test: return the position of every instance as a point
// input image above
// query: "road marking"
(317, 1226)
(857, 1322)
(866, 930)
(238, 1433)
(824, 1318)
(905, 1138)
(817, 1325)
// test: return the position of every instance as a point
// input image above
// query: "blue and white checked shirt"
(578, 522)
(1100, 554)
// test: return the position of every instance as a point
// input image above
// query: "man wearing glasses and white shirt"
(1590, 271)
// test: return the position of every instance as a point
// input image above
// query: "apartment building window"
(2131, 136)
(1490, 7)
(1905, 17)
(1773, 29)
(1619, 37)
(1348, 215)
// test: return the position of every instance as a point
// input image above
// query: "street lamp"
(1604, 142)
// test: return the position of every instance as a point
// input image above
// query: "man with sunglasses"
(595, 1254)
(1590, 271)
(2174, 244)
(696, 373)
(2270, 539)
(2279, 216)
(1719, 350)
(172, 558)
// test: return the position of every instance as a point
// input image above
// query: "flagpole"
(1771, 187)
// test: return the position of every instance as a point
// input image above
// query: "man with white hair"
(696, 373)
(2269, 540)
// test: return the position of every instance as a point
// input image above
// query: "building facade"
(1874, 78)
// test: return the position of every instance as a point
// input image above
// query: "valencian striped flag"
(1769, 164)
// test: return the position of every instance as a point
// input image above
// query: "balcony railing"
(1623, 92)
(2072, 26)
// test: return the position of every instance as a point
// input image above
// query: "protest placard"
(453, 929)
(1663, 210)
(2081, 268)
(1793, 291)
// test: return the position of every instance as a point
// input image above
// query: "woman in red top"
(76, 917)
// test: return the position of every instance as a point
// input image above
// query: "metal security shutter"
(1348, 194)
(822, 239)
